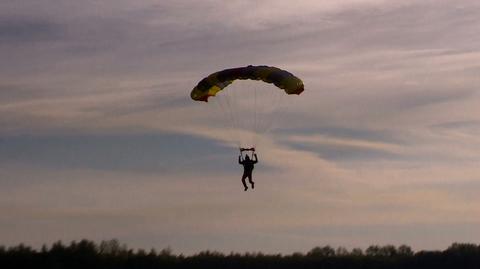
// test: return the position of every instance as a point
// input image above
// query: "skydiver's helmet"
(247, 158)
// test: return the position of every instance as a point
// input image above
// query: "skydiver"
(248, 166)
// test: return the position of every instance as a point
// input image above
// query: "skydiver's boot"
(246, 188)
(253, 184)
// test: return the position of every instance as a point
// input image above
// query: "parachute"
(249, 106)
(216, 82)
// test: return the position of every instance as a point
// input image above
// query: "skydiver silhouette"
(248, 166)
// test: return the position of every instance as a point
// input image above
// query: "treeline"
(112, 254)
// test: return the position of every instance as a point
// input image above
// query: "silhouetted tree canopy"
(113, 254)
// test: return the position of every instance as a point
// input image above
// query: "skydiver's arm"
(240, 159)
(256, 158)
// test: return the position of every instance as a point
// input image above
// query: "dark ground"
(111, 254)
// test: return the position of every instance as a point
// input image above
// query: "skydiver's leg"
(243, 181)
(251, 181)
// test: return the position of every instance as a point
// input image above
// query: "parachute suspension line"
(232, 110)
(249, 113)
(241, 121)
(255, 127)
(223, 101)
(233, 115)
(266, 122)
(257, 117)
(219, 103)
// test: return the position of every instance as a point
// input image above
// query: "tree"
(405, 250)
(341, 251)
(326, 251)
(112, 247)
(373, 250)
(357, 252)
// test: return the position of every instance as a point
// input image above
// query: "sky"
(99, 138)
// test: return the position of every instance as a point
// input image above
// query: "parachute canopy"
(216, 82)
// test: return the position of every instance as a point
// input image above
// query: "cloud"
(22, 30)
(346, 149)
(164, 153)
